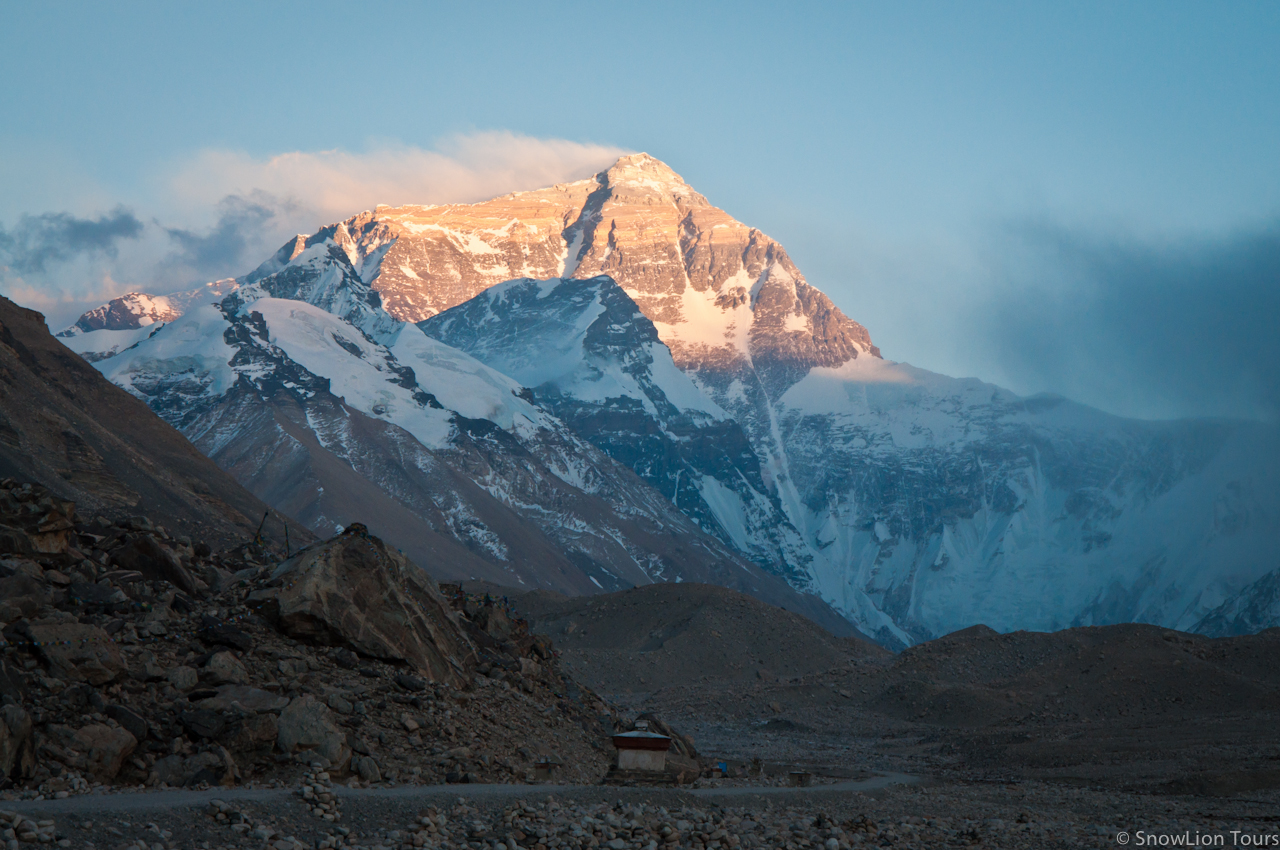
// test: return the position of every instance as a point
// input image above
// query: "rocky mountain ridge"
(300, 385)
(915, 504)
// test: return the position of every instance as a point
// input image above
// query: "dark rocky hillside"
(68, 428)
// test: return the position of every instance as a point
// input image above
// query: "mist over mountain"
(650, 390)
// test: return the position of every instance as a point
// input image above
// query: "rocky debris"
(316, 792)
(78, 652)
(355, 591)
(629, 827)
(15, 828)
(112, 676)
(246, 828)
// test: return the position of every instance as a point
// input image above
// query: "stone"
(410, 683)
(367, 768)
(307, 724)
(291, 667)
(94, 594)
(207, 767)
(129, 720)
(224, 668)
(339, 704)
(14, 541)
(78, 652)
(183, 678)
(244, 698)
(215, 632)
(169, 771)
(21, 596)
(143, 553)
(17, 747)
(257, 730)
(105, 748)
(202, 723)
(355, 591)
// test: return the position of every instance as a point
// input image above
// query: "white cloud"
(338, 184)
(194, 234)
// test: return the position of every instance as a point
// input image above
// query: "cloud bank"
(1138, 327)
(41, 240)
(338, 184)
(219, 213)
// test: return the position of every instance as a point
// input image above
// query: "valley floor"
(1015, 814)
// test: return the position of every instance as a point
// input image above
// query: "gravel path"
(144, 801)
(887, 810)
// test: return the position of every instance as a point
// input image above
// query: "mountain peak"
(642, 167)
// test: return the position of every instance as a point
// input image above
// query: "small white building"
(642, 750)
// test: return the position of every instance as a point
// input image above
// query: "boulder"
(77, 652)
(367, 768)
(11, 683)
(183, 678)
(223, 668)
(17, 750)
(21, 595)
(129, 720)
(202, 723)
(352, 590)
(141, 552)
(243, 698)
(217, 633)
(255, 731)
(105, 748)
(14, 541)
(214, 767)
(307, 724)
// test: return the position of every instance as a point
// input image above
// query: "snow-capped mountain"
(590, 356)
(317, 400)
(913, 503)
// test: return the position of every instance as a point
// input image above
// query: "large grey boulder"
(353, 590)
(17, 750)
(105, 748)
(307, 724)
(77, 652)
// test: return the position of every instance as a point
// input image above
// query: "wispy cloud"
(337, 184)
(223, 249)
(38, 241)
(220, 212)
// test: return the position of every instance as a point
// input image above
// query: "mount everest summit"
(612, 382)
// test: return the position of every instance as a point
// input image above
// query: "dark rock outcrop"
(355, 591)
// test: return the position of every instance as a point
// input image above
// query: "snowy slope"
(589, 355)
(952, 502)
(299, 384)
(914, 503)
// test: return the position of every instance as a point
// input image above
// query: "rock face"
(130, 311)
(78, 652)
(913, 503)
(588, 354)
(123, 685)
(63, 425)
(1253, 609)
(355, 591)
(300, 385)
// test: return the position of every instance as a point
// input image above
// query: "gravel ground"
(502, 817)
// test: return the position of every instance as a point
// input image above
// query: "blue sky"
(1051, 196)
